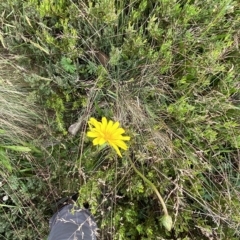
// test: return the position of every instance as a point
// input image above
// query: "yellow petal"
(94, 122)
(109, 126)
(104, 124)
(120, 144)
(124, 138)
(116, 149)
(92, 134)
(98, 141)
(101, 141)
(120, 137)
(115, 126)
(119, 131)
(95, 141)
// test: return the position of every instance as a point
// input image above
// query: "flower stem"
(153, 188)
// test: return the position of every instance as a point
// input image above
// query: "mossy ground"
(168, 71)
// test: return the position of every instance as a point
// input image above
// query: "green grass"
(169, 72)
(18, 121)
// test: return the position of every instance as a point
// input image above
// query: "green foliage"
(5, 161)
(20, 185)
(168, 71)
(67, 65)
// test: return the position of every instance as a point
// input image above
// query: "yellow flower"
(107, 132)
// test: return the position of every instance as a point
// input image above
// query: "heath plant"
(168, 73)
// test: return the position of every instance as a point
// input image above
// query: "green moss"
(169, 74)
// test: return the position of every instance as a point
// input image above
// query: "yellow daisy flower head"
(107, 132)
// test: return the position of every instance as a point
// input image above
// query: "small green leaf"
(17, 148)
(67, 65)
(9, 206)
(5, 161)
(2, 131)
